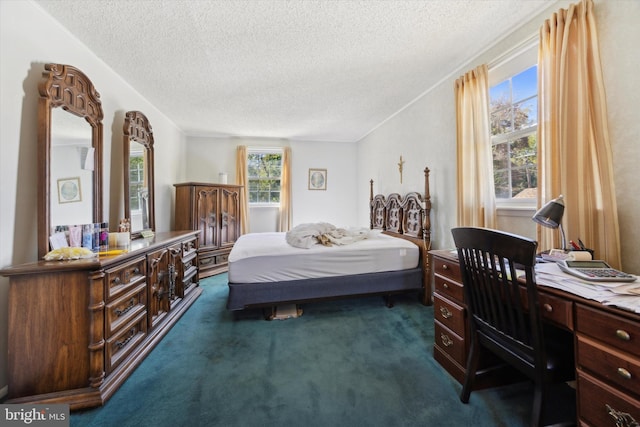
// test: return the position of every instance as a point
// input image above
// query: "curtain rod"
(514, 51)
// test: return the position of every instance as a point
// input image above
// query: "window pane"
(501, 121)
(501, 179)
(526, 113)
(525, 84)
(501, 156)
(500, 93)
(264, 170)
(514, 108)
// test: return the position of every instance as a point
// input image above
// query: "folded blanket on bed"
(306, 235)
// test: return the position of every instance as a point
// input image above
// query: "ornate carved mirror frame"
(66, 87)
(138, 142)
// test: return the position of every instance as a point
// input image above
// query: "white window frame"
(263, 150)
(511, 63)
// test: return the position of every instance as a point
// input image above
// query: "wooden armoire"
(214, 210)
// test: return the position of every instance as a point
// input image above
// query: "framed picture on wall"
(69, 190)
(317, 179)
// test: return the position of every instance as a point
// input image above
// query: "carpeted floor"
(353, 362)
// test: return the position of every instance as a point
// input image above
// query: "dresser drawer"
(222, 259)
(206, 261)
(125, 276)
(599, 404)
(613, 366)
(189, 249)
(449, 314)
(126, 307)
(447, 268)
(120, 345)
(450, 343)
(611, 329)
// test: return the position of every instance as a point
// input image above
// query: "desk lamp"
(550, 215)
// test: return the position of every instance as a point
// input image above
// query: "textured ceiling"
(309, 70)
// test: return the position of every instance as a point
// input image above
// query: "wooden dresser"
(77, 329)
(213, 210)
(607, 343)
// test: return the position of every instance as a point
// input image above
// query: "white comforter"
(306, 235)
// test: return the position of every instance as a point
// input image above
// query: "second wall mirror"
(138, 173)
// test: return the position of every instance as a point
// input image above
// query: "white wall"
(424, 132)
(207, 157)
(29, 38)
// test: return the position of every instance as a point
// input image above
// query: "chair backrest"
(495, 265)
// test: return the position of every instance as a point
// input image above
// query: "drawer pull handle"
(624, 373)
(136, 270)
(548, 308)
(445, 312)
(446, 340)
(445, 267)
(132, 303)
(621, 418)
(120, 344)
(446, 286)
(623, 335)
(116, 281)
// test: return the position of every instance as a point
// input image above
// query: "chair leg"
(538, 400)
(470, 374)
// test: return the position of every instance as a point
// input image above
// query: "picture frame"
(69, 190)
(317, 179)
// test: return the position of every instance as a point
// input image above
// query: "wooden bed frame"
(405, 217)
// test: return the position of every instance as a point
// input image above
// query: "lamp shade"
(550, 215)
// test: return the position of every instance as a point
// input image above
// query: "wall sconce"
(550, 215)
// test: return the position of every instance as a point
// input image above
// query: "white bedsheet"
(267, 257)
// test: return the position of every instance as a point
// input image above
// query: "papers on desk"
(624, 295)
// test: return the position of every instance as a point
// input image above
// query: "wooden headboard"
(407, 217)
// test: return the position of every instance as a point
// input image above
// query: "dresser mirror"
(69, 151)
(138, 173)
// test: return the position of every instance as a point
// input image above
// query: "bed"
(265, 271)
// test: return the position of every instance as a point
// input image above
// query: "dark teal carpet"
(353, 362)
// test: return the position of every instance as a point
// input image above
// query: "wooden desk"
(607, 343)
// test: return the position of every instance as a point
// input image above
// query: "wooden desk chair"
(499, 317)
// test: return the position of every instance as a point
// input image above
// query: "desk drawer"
(450, 343)
(449, 314)
(449, 288)
(616, 331)
(613, 366)
(596, 400)
(447, 268)
(557, 310)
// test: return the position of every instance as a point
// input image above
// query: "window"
(514, 127)
(136, 180)
(264, 171)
